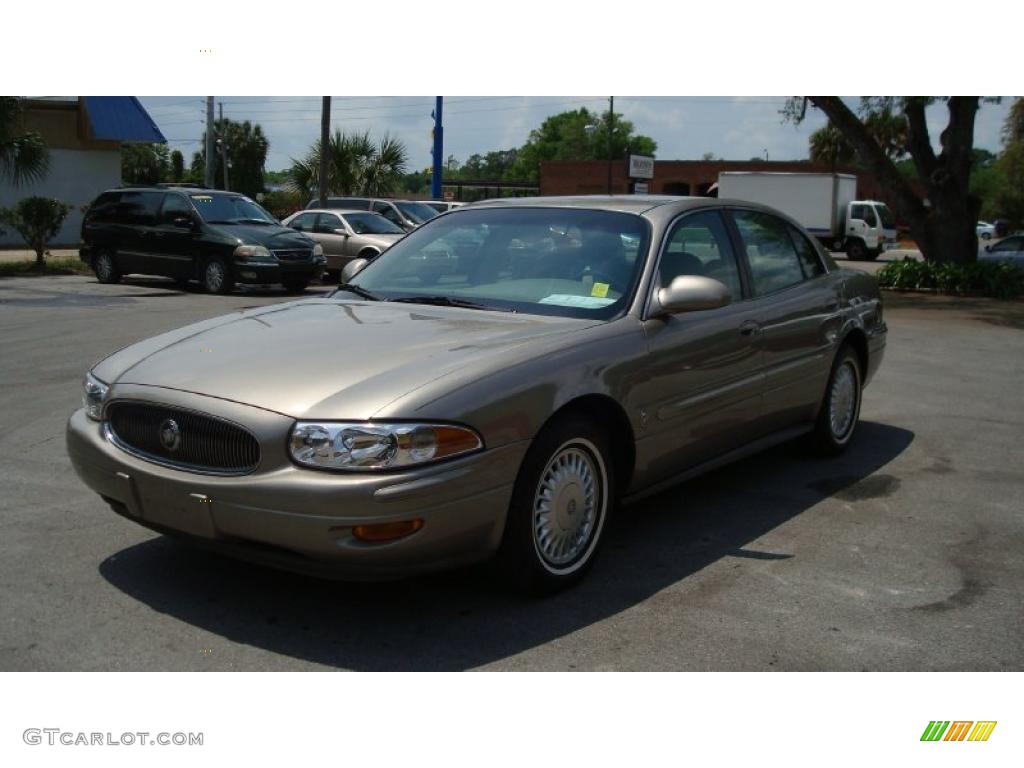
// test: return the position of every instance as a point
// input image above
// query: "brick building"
(680, 177)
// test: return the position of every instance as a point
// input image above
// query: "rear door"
(136, 220)
(798, 309)
(703, 379)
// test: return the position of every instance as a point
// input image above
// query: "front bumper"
(302, 519)
(265, 273)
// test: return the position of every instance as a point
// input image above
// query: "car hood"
(271, 237)
(327, 358)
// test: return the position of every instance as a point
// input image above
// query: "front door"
(330, 231)
(174, 236)
(703, 389)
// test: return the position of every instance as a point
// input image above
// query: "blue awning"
(121, 118)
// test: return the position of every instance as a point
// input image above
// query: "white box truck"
(824, 203)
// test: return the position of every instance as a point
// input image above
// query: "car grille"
(295, 255)
(203, 443)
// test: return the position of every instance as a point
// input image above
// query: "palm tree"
(827, 145)
(356, 166)
(23, 154)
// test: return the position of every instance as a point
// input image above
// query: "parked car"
(985, 230)
(346, 235)
(218, 238)
(1009, 250)
(443, 206)
(407, 214)
(488, 402)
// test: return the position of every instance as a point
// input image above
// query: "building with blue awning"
(84, 135)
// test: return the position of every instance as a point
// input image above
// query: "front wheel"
(106, 268)
(840, 409)
(217, 277)
(560, 506)
(856, 250)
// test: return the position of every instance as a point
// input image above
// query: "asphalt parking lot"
(905, 553)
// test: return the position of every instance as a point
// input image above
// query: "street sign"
(640, 167)
(640, 188)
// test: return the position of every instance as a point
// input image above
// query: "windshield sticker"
(569, 300)
(600, 290)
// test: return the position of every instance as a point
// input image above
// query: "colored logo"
(958, 730)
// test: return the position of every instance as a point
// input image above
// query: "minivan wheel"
(840, 408)
(560, 507)
(106, 268)
(217, 277)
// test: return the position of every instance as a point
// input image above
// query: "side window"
(391, 215)
(138, 208)
(104, 209)
(699, 245)
(326, 223)
(773, 260)
(303, 222)
(808, 254)
(174, 207)
(380, 207)
(865, 213)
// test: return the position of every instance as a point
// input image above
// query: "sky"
(685, 128)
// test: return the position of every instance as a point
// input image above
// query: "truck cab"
(868, 230)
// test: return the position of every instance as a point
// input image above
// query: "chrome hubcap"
(214, 275)
(566, 506)
(843, 400)
(103, 267)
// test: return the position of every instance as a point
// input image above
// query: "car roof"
(186, 190)
(623, 203)
(338, 210)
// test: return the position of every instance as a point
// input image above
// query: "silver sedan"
(501, 379)
(346, 235)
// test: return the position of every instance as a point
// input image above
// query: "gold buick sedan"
(500, 381)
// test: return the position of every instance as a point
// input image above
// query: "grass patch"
(60, 266)
(984, 278)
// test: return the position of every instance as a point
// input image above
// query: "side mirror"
(183, 222)
(352, 269)
(341, 231)
(690, 293)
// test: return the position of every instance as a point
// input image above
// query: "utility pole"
(325, 141)
(223, 147)
(210, 145)
(611, 124)
(438, 151)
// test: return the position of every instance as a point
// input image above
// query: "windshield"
(230, 209)
(547, 261)
(372, 224)
(888, 222)
(417, 213)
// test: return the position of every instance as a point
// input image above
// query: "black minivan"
(218, 238)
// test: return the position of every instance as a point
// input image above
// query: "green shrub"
(989, 278)
(37, 220)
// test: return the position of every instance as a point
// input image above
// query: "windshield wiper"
(448, 301)
(361, 292)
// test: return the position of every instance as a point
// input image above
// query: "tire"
(105, 267)
(840, 408)
(369, 254)
(855, 250)
(217, 278)
(295, 284)
(549, 543)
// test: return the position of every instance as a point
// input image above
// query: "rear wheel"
(840, 409)
(560, 507)
(217, 277)
(105, 267)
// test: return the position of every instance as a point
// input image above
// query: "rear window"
(104, 208)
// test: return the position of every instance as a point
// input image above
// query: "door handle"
(750, 328)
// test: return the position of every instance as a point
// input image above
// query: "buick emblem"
(170, 434)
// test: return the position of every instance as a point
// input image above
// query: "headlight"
(357, 446)
(94, 392)
(254, 253)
